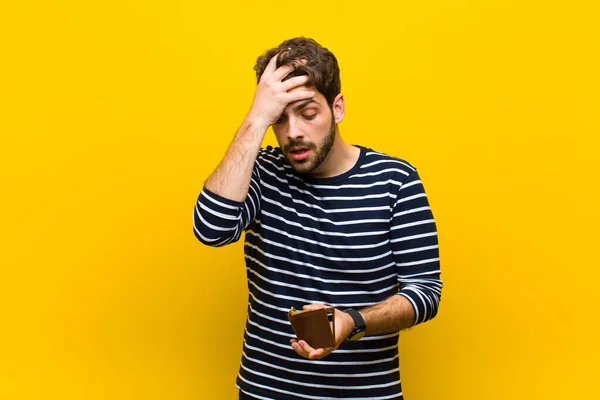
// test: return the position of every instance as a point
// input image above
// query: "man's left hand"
(344, 325)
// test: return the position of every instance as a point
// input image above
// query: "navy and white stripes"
(348, 241)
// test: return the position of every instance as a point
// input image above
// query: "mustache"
(298, 144)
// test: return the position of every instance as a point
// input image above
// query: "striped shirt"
(348, 241)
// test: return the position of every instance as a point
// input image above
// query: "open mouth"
(299, 153)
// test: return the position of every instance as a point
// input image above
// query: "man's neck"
(341, 158)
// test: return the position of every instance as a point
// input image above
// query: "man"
(327, 224)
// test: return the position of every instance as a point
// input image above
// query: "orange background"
(112, 115)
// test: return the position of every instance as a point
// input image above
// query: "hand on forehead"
(286, 57)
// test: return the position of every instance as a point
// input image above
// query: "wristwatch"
(359, 325)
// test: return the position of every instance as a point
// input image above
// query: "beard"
(321, 151)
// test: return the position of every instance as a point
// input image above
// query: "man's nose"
(294, 129)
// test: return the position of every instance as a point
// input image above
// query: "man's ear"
(338, 108)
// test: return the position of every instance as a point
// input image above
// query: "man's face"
(306, 132)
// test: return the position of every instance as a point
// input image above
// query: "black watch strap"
(359, 325)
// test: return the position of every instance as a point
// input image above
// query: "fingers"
(297, 96)
(274, 74)
(313, 306)
(297, 348)
(271, 66)
(318, 353)
(282, 72)
(272, 96)
(306, 351)
(295, 82)
(277, 73)
(301, 347)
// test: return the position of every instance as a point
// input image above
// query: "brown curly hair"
(320, 65)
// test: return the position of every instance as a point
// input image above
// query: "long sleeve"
(219, 221)
(415, 247)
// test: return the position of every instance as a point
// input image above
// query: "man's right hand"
(272, 95)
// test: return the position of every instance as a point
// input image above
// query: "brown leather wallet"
(315, 327)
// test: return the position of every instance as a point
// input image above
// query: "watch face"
(358, 336)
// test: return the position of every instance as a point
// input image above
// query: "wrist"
(256, 122)
(347, 325)
(358, 325)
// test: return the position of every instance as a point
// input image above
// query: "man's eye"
(280, 120)
(309, 117)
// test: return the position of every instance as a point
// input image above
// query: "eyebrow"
(304, 104)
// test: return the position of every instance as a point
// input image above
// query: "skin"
(392, 315)
(312, 124)
(301, 118)
(231, 178)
